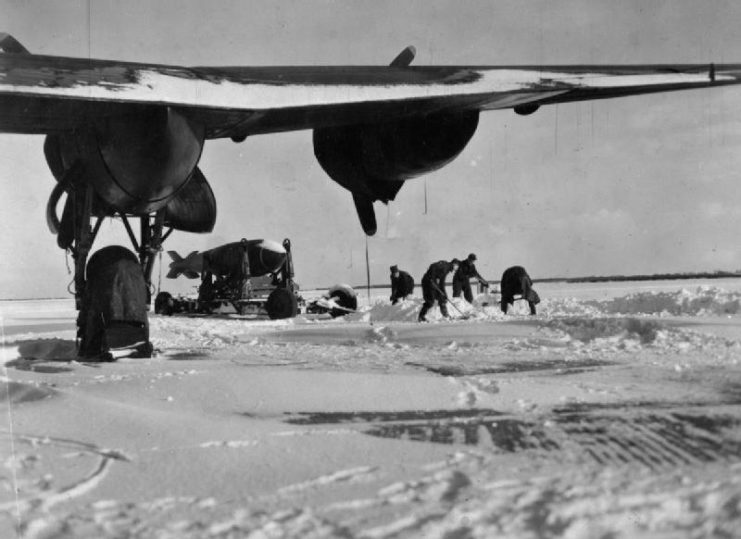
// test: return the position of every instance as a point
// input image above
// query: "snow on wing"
(232, 101)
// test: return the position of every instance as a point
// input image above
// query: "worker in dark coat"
(462, 278)
(433, 287)
(402, 284)
(516, 281)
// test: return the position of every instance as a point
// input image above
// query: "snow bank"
(703, 301)
(484, 307)
(563, 325)
(591, 336)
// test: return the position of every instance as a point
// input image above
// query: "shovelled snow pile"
(382, 310)
(703, 301)
(484, 307)
(610, 335)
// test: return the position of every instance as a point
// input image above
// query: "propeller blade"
(364, 207)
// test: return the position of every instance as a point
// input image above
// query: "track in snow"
(654, 437)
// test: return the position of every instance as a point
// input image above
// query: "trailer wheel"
(164, 304)
(281, 303)
(115, 304)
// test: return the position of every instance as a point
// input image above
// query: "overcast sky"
(636, 185)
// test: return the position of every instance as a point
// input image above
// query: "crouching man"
(402, 285)
(516, 281)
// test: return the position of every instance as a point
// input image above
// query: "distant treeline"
(610, 278)
(653, 277)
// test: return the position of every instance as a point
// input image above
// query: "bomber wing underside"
(42, 94)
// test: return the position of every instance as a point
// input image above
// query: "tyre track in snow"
(655, 439)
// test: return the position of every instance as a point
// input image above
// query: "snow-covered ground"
(614, 412)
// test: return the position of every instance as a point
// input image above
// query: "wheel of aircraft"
(281, 303)
(114, 305)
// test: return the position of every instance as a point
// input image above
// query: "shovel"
(463, 316)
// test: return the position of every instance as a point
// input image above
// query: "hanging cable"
(388, 215)
(367, 268)
(555, 131)
(159, 281)
(70, 285)
(425, 213)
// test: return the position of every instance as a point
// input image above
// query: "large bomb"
(257, 257)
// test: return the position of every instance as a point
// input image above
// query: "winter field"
(615, 412)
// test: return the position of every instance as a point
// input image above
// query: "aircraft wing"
(43, 94)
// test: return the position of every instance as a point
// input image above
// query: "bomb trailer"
(250, 277)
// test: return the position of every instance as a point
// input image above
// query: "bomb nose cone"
(270, 257)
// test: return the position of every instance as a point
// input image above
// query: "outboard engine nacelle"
(372, 161)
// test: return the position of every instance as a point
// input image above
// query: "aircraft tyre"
(114, 308)
(281, 303)
(164, 304)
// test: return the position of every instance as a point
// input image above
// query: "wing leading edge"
(41, 94)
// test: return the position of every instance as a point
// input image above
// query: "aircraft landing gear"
(113, 287)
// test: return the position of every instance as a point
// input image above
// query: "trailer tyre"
(281, 303)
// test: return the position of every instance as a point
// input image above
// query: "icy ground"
(615, 412)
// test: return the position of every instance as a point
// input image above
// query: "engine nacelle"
(372, 161)
(137, 162)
